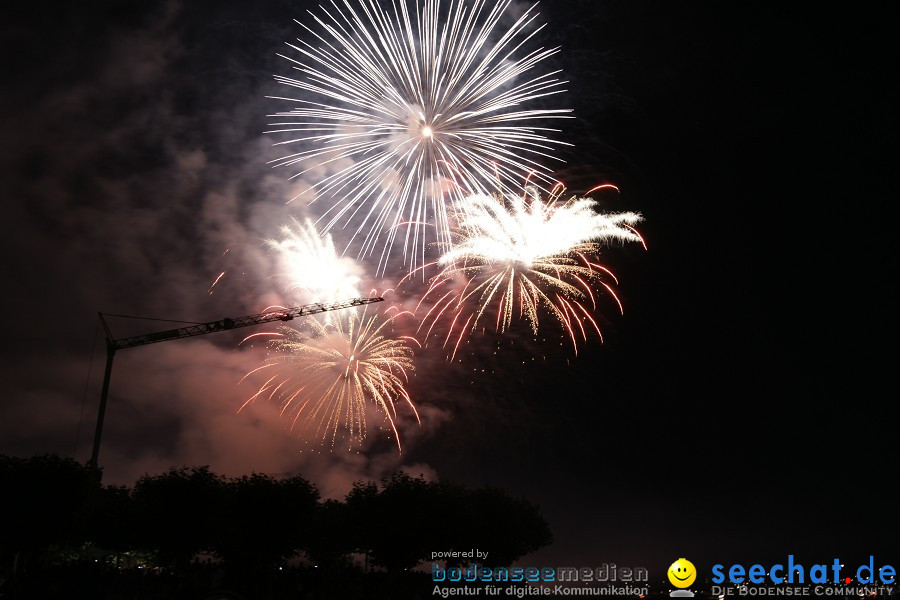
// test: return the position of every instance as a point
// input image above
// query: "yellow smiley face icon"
(682, 573)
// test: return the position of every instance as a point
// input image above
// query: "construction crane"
(226, 324)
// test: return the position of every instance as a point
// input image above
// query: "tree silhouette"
(362, 518)
(404, 518)
(179, 513)
(508, 528)
(45, 502)
(114, 519)
(408, 518)
(264, 520)
(56, 512)
(332, 538)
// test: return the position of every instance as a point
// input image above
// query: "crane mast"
(226, 324)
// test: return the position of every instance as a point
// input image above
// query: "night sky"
(742, 409)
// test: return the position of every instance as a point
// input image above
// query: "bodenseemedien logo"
(682, 574)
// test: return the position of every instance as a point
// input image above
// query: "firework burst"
(411, 106)
(326, 376)
(312, 268)
(517, 254)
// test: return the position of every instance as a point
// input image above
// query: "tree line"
(248, 529)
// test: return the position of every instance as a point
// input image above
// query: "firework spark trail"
(517, 254)
(210, 291)
(311, 266)
(327, 375)
(402, 104)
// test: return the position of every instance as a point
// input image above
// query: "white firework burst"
(409, 107)
(518, 255)
(312, 268)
